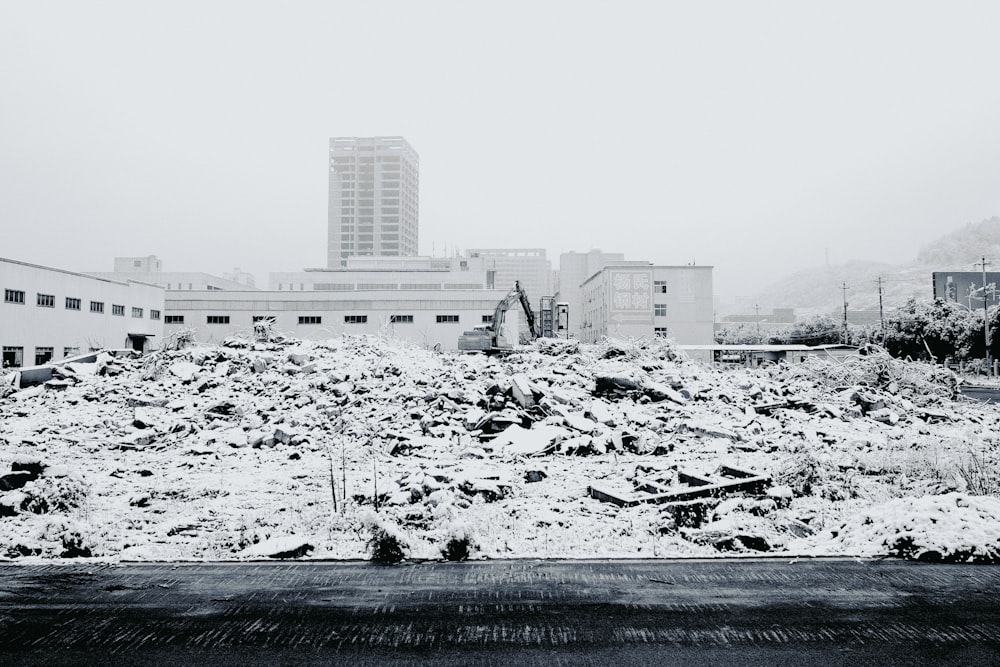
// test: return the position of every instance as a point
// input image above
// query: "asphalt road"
(987, 394)
(742, 612)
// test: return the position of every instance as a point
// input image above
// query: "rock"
(743, 543)
(25, 463)
(521, 390)
(343, 389)
(298, 358)
(600, 412)
(15, 480)
(781, 494)
(184, 370)
(613, 386)
(285, 434)
(884, 415)
(474, 453)
(706, 428)
(577, 421)
(147, 417)
(529, 442)
(233, 437)
(145, 402)
(59, 470)
(11, 503)
(531, 476)
(224, 408)
(660, 392)
(866, 402)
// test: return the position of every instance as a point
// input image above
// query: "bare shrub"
(53, 494)
(385, 546)
(460, 545)
(981, 476)
(179, 339)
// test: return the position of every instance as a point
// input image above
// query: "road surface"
(737, 612)
(987, 394)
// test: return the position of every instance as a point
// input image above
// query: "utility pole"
(844, 287)
(986, 322)
(881, 315)
(756, 309)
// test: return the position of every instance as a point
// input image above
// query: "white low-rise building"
(424, 316)
(50, 314)
(635, 300)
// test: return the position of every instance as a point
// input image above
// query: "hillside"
(817, 291)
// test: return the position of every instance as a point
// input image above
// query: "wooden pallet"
(725, 480)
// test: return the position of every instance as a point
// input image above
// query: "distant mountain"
(818, 291)
(964, 247)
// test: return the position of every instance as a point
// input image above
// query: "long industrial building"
(50, 314)
(428, 317)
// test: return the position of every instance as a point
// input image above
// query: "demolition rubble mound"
(366, 447)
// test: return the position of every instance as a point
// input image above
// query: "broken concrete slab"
(521, 390)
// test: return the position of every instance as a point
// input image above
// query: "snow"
(267, 449)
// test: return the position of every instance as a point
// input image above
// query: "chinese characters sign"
(631, 293)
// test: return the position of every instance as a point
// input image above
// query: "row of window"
(318, 319)
(13, 356)
(72, 303)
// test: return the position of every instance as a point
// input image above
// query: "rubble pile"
(274, 448)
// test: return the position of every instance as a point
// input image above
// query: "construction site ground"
(275, 448)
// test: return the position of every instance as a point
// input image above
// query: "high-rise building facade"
(374, 201)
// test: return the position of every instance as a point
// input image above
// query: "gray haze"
(751, 136)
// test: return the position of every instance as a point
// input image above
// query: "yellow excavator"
(490, 338)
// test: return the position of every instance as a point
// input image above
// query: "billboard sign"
(631, 295)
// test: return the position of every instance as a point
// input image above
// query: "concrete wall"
(30, 326)
(334, 308)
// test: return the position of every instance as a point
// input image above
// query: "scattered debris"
(365, 444)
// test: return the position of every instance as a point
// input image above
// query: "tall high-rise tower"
(374, 202)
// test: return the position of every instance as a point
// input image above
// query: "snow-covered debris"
(231, 451)
(953, 527)
(289, 546)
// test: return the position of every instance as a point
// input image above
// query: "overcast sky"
(752, 136)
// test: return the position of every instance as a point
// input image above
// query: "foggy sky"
(752, 136)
